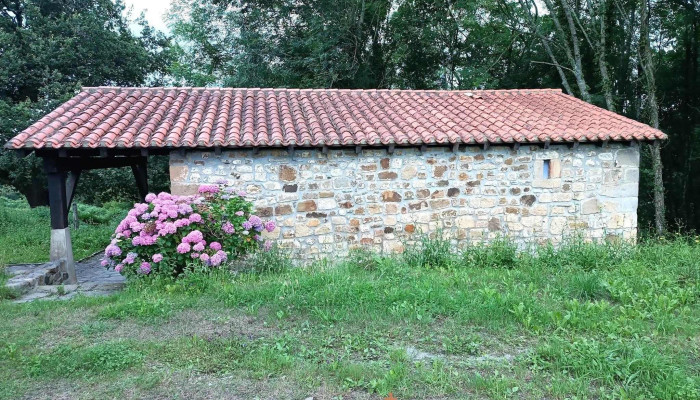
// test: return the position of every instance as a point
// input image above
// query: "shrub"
(430, 253)
(272, 260)
(576, 252)
(500, 253)
(364, 258)
(169, 233)
(100, 215)
(586, 286)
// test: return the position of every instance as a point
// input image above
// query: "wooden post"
(76, 221)
(61, 247)
(141, 175)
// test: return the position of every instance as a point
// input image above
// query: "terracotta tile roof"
(210, 117)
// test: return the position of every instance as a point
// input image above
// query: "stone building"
(329, 202)
(344, 168)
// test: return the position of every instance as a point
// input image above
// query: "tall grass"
(579, 320)
(24, 231)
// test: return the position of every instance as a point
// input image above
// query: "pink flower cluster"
(167, 232)
(209, 189)
(162, 215)
(195, 244)
(254, 222)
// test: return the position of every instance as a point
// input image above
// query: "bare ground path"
(93, 280)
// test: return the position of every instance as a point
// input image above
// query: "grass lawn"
(25, 232)
(583, 322)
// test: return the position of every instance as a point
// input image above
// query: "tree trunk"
(577, 64)
(659, 202)
(562, 75)
(646, 62)
(602, 61)
(535, 27)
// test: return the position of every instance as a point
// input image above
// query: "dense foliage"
(48, 50)
(640, 58)
(168, 233)
(595, 50)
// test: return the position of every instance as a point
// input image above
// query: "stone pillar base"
(61, 248)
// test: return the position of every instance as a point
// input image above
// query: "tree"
(48, 50)
(278, 43)
(647, 65)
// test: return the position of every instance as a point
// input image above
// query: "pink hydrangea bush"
(168, 233)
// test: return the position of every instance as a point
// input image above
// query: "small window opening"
(546, 168)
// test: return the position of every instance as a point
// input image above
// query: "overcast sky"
(154, 9)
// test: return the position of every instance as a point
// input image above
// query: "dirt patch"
(206, 324)
(66, 327)
(188, 385)
(82, 326)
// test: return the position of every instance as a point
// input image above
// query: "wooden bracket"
(358, 149)
(71, 185)
(455, 147)
(390, 148)
(140, 171)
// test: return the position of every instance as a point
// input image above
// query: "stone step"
(25, 277)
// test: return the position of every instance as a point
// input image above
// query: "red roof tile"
(210, 117)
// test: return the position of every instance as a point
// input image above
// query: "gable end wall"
(325, 204)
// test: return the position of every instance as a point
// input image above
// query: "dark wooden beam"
(487, 145)
(290, 151)
(516, 146)
(58, 200)
(140, 171)
(358, 149)
(390, 148)
(423, 148)
(83, 163)
(71, 185)
(455, 147)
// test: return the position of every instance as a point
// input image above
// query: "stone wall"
(328, 203)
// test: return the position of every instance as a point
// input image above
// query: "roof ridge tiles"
(378, 90)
